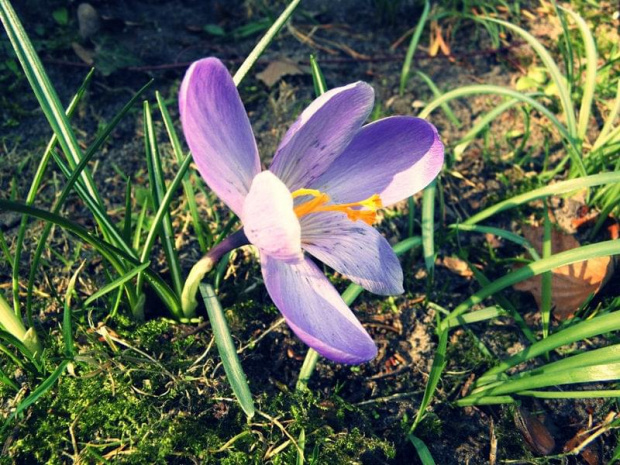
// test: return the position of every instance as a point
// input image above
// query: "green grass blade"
(428, 227)
(545, 307)
(165, 201)
(437, 94)
(423, 453)
(190, 195)
(594, 394)
(39, 391)
(262, 44)
(108, 251)
(554, 189)
(413, 45)
(318, 80)
(44, 91)
(609, 122)
(439, 362)
(34, 188)
(67, 329)
(301, 443)
(510, 236)
(158, 191)
(4, 379)
(586, 252)
(579, 331)
(554, 72)
(226, 348)
(487, 119)
(568, 137)
(117, 283)
(590, 77)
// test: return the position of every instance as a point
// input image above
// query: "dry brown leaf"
(276, 70)
(589, 453)
(571, 285)
(457, 266)
(535, 433)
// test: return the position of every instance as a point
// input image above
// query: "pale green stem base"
(203, 266)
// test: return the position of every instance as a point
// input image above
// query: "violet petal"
(315, 311)
(321, 133)
(354, 249)
(394, 157)
(269, 221)
(218, 131)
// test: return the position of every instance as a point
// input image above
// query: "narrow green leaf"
(517, 239)
(413, 45)
(190, 195)
(158, 190)
(67, 330)
(320, 86)
(545, 307)
(589, 84)
(117, 283)
(262, 44)
(437, 94)
(428, 227)
(601, 249)
(439, 362)
(425, 455)
(554, 72)
(561, 187)
(301, 443)
(226, 348)
(39, 391)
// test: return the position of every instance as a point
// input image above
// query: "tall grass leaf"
(437, 94)
(585, 329)
(190, 195)
(45, 386)
(34, 189)
(117, 283)
(546, 289)
(423, 453)
(44, 91)
(413, 45)
(428, 227)
(554, 72)
(579, 254)
(561, 187)
(318, 80)
(226, 348)
(601, 140)
(264, 42)
(589, 84)
(4, 379)
(158, 190)
(108, 251)
(67, 329)
(510, 236)
(439, 362)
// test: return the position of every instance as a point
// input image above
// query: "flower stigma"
(319, 204)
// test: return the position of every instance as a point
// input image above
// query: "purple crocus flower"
(328, 177)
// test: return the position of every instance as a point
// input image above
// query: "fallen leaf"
(535, 433)
(276, 70)
(571, 285)
(457, 266)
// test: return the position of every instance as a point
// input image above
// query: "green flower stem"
(203, 266)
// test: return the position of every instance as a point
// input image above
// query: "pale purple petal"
(218, 131)
(394, 157)
(315, 311)
(354, 249)
(269, 221)
(321, 133)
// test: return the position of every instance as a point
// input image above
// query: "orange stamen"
(318, 204)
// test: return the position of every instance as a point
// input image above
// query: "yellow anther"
(367, 212)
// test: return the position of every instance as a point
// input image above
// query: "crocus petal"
(394, 157)
(321, 133)
(354, 249)
(218, 131)
(269, 221)
(315, 311)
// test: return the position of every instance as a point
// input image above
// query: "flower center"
(366, 210)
